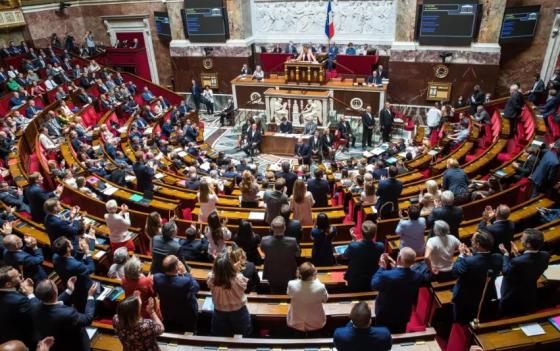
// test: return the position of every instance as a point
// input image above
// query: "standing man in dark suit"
(57, 227)
(54, 317)
(16, 301)
(302, 152)
(389, 191)
(476, 98)
(288, 175)
(496, 223)
(144, 174)
(30, 257)
(177, 293)
(346, 131)
(196, 94)
(368, 123)
(254, 139)
(448, 212)
(67, 266)
(319, 188)
(386, 119)
(281, 253)
(519, 285)
(293, 226)
(472, 271)
(359, 335)
(363, 258)
(513, 107)
(316, 146)
(398, 290)
(546, 172)
(35, 196)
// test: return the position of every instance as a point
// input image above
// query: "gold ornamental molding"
(11, 18)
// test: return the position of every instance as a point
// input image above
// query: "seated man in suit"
(472, 270)
(177, 290)
(16, 302)
(254, 139)
(388, 193)
(54, 317)
(81, 266)
(281, 253)
(319, 188)
(16, 100)
(496, 222)
(363, 258)
(359, 335)
(32, 109)
(374, 79)
(316, 146)
(227, 114)
(30, 257)
(398, 290)
(35, 196)
(310, 127)
(302, 152)
(519, 285)
(345, 131)
(147, 95)
(57, 227)
(285, 126)
(13, 197)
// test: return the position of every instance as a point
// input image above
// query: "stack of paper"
(533, 329)
(256, 216)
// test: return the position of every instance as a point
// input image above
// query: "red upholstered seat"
(554, 127)
(459, 339)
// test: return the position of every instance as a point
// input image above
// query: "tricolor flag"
(329, 23)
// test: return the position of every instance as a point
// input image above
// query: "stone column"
(491, 22)
(239, 18)
(406, 20)
(175, 19)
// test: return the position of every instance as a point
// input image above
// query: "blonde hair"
(238, 255)
(246, 182)
(299, 191)
(369, 189)
(203, 191)
(452, 163)
(427, 198)
(432, 187)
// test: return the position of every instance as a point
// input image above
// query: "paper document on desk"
(159, 175)
(110, 190)
(552, 272)
(91, 332)
(106, 291)
(208, 304)
(256, 216)
(532, 329)
(498, 284)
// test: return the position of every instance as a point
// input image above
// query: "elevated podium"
(305, 72)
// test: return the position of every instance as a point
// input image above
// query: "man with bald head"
(398, 286)
(30, 257)
(177, 293)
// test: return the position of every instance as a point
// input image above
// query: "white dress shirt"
(306, 311)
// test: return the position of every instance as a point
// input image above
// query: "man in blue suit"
(196, 94)
(16, 301)
(496, 222)
(302, 152)
(144, 174)
(398, 290)
(359, 335)
(57, 227)
(374, 78)
(54, 317)
(32, 109)
(288, 175)
(147, 95)
(13, 197)
(319, 188)
(389, 191)
(177, 293)
(363, 258)
(35, 196)
(67, 266)
(519, 285)
(472, 271)
(29, 259)
(545, 173)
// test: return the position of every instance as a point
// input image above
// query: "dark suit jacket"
(67, 267)
(513, 106)
(280, 263)
(178, 302)
(546, 170)
(452, 215)
(286, 127)
(519, 285)
(294, 230)
(389, 190)
(550, 106)
(367, 121)
(65, 323)
(374, 80)
(30, 261)
(144, 177)
(290, 178)
(303, 151)
(345, 129)
(386, 119)
(57, 227)
(17, 319)
(316, 145)
(349, 338)
(471, 273)
(502, 232)
(254, 137)
(398, 292)
(36, 197)
(320, 190)
(10, 198)
(363, 261)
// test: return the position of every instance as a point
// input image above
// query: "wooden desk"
(305, 72)
(281, 144)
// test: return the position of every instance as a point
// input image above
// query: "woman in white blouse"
(207, 200)
(440, 250)
(217, 234)
(306, 313)
(118, 224)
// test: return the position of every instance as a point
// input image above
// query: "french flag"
(329, 23)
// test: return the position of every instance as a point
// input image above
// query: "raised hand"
(71, 283)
